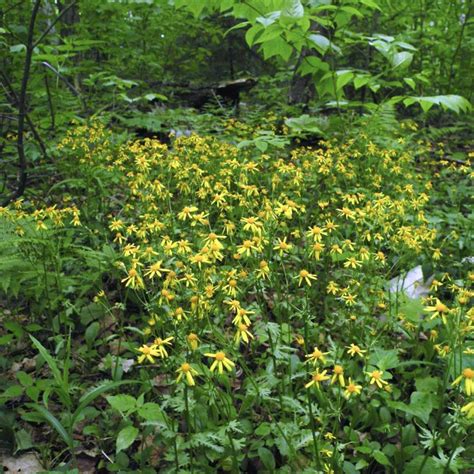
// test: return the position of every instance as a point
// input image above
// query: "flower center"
(468, 373)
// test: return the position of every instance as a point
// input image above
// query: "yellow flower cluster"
(215, 242)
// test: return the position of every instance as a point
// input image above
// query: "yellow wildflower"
(148, 353)
(376, 378)
(193, 341)
(352, 389)
(354, 350)
(160, 345)
(468, 409)
(468, 376)
(338, 375)
(188, 372)
(305, 276)
(221, 362)
(317, 378)
(316, 356)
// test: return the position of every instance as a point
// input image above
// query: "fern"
(381, 122)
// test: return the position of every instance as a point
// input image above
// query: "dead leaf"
(86, 465)
(27, 463)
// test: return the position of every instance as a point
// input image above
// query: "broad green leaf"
(91, 332)
(410, 82)
(273, 31)
(402, 59)
(126, 437)
(384, 359)
(426, 104)
(251, 34)
(427, 384)
(312, 65)
(360, 81)
(293, 9)
(17, 48)
(321, 42)
(381, 458)
(150, 412)
(266, 456)
(277, 47)
(25, 379)
(421, 405)
(343, 78)
(371, 4)
(269, 19)
(304, 123)
(411, 308)
(95, 392)
(455, 103)
(420, 465)
(123, 403)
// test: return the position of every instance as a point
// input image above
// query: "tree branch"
(22, 109)
(51, 26)
(16, 100)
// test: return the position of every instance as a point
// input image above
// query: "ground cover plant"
(239, 306)
(236, 236)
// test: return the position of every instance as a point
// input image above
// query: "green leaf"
(264, 429)
(361, 81)
(251, 34)
(54, 422)
(419, 465)
(456, 103)
(25, 379)
(312, 65)
(17, 48)
(277, 47)
(384, 359)
(371, 4)
(402, 59)
(294, 9)
(49, 360)
(91, 332)
(123, 403)
(343, 78)
(421, 405)
(23, 440)
(411, 308)
(427, 384)
(410, 82)
(321, 42)
(270, 33)
(266, 456)
(95, 392)
(13, 391)
(153, 96)
(126, 437)
(381, 458)
(151, 412)
(304, 123)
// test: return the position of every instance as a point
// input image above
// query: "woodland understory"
(236, 236)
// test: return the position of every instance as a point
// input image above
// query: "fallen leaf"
(27, 463)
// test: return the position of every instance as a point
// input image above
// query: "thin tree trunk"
(22, 163)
